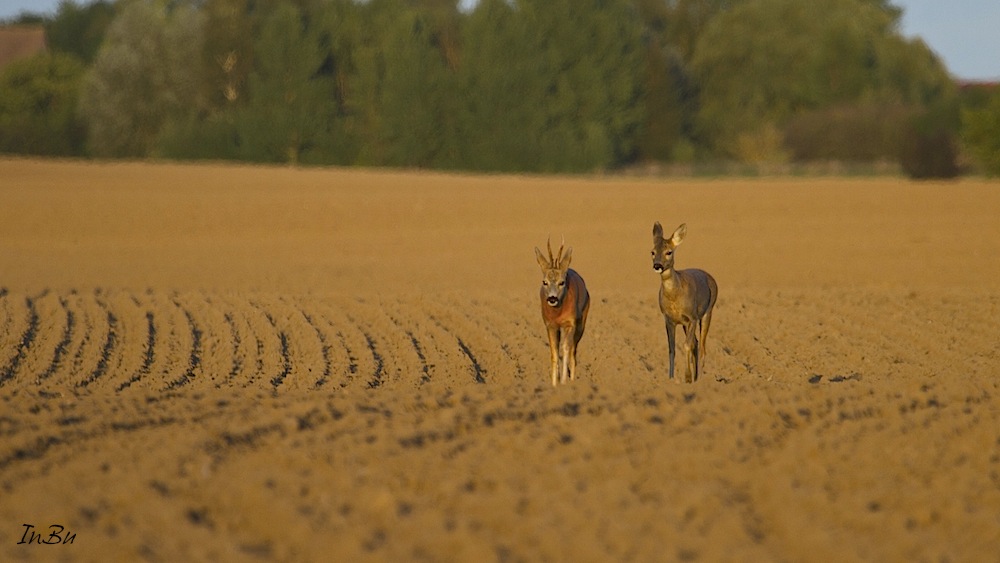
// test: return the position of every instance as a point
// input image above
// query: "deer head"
(554, 273)
(663, 248)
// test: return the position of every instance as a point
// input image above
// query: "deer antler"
(554, 259)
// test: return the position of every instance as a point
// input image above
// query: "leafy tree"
(906, 70)
(976, 95)
(228, 50)
(230, 124)
(865, 131)
(444, 26)
(513, 85)
(146, 73)
(25, 18)
(668, 98)
(764, 61)
(418, 96)
(281, 84)
(286, 116)
(552, 85)
(502, 116)
(79, 30)
(929, 148)
(981, 133)
(395, 62)
(194, 137)
(684, 21)
(594, 55)
(38, 97)
(350, 38)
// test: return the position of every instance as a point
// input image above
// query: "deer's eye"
(652, 253)
(545, 282)
(669, 253)
(562, 283)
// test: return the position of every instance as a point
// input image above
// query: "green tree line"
(503, 85)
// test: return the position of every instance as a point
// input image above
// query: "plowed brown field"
(247, 363)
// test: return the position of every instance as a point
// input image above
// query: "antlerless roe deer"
(686, 299)
(565, 303)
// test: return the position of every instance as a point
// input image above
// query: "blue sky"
(964, 33)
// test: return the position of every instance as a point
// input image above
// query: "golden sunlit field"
(204, 362)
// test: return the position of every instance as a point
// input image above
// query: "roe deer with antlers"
(565, 303)
(686, 299)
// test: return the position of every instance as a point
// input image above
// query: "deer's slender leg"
(566, 345)
(705, 322)
(569, 335)
(692, 352)
(554, 353)
(671, 342)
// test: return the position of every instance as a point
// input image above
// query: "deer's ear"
(657, 231)
(564, 263)
(541, 259)
(678, 235)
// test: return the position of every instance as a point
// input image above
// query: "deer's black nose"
(658, 267)
(553, 301)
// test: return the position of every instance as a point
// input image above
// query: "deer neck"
(670, 280)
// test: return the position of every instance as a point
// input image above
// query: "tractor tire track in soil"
(62, 346)
(35, 360)
(24, 342)
(107, 349)
(343, 360)
(326, 349)
(169, 341)
(192, 369)
(122, 342)
(234, 335)
(285, 362)
(148, 355)
(379, 373)
(118, 341)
